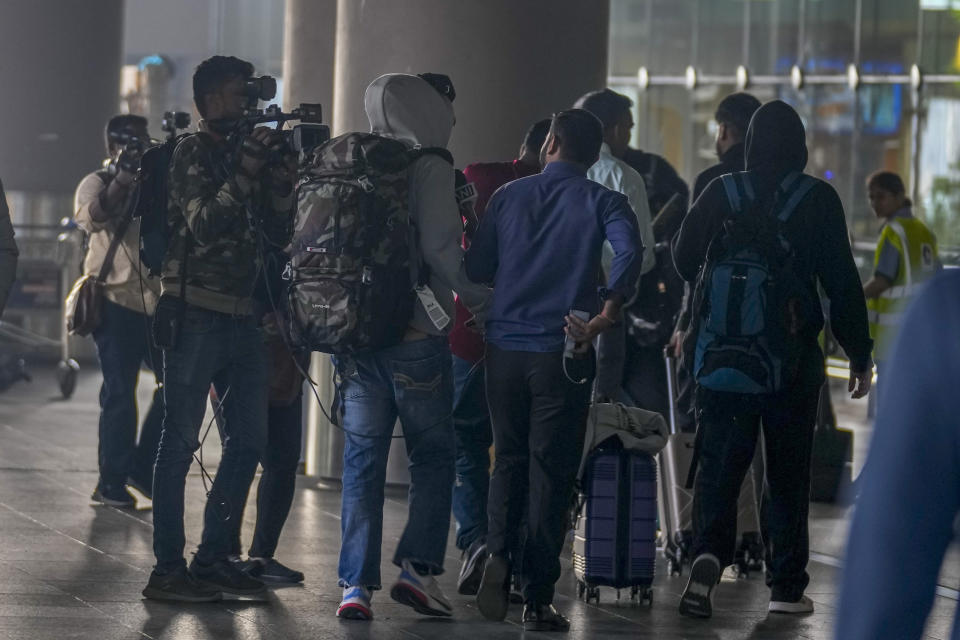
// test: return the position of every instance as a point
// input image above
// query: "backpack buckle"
(365, 183)
(287, 272)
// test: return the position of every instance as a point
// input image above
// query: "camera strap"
(118, 236)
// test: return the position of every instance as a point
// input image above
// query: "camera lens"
(262, 88)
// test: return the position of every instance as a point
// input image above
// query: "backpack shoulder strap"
(792, 191)
(739, 190)
(418, 153)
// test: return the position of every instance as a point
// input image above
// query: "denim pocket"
(198, 320)
(424, 376)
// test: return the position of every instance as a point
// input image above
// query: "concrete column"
(60, 64)
(512, 62)
(309, 46)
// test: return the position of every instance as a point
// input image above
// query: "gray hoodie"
(406, 108)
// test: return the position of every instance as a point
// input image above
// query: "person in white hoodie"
(411, 380)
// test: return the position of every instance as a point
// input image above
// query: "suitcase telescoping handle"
(671, 364)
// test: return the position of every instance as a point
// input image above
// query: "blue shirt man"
(540, 243)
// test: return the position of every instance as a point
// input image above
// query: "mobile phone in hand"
(569, 343)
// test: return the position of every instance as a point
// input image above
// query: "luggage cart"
(49, 262)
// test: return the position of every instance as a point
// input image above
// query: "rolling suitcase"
(676, 497)
(831, 465)
(614, 543)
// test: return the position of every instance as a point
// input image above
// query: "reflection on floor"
(72, 570)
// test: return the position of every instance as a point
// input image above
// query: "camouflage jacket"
(210, 203)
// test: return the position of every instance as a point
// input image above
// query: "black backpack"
(152, 204)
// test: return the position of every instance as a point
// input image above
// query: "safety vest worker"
(906, 257)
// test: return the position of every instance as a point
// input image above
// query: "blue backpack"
(750, 304)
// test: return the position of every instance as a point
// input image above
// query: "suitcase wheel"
(590, 593)
(647, 596)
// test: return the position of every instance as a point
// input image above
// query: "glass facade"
(885, 122)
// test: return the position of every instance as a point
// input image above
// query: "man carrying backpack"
(770, 235)
(103, 210)
(410, 377)
(223, 198)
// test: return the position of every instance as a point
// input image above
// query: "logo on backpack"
(353, 266)
(750, 304)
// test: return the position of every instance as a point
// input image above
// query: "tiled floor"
(72, 570)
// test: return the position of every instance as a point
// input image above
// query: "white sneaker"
(421, 593)
(803, 605)
(697, 599)
(355, 604)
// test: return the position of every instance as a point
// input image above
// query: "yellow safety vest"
(917, 247)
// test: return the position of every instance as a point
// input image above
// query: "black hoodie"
(817, 230)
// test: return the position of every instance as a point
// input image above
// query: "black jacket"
(817, 230)
(659, 177)
(733, 160)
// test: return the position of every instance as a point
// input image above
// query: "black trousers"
(539, 422)
(278, 482)
(729, 425)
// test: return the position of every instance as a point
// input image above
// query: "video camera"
(131, 148)
(299, 140)
(174, 120)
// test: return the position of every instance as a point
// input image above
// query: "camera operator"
(224, 199)
(103, 205)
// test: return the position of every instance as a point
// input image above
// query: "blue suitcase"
(615, 540)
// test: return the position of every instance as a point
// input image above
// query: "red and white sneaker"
(355, 604)
(421, 593)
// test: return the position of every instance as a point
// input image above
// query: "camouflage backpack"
(352, 268)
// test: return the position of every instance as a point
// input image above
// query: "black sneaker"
(472, 569)
(543, 617)
(493, 596)
(120, 498)
(697, 599)
(179, 586)
(227, 577)
(269, 570)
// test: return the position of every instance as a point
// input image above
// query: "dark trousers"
(728, 429)
(539, 422)
(229, 350)
(278, 482)
(123, 345)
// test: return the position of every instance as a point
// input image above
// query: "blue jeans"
(412, 381)
(123, 344)
(229, 350)
(471, 426)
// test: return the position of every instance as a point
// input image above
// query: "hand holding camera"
(257, 148)
(127, 164)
